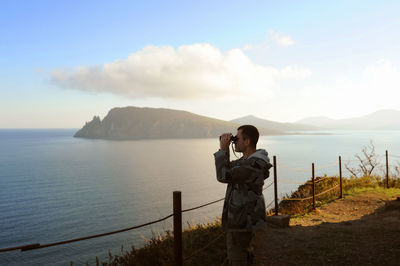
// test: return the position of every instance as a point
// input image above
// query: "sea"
(54, 187)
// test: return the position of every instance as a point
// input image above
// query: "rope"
(37, 245)
(293, 169)
(269, 204)
(305, 170)
(326, 191)
(268, 186)
(215, 201)
(326, 166)
(203, 248)
(319, 180)
(201, 206)
(302, 199)
(290, 182)
(351, 160)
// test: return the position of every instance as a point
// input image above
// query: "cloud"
(383, 73)
(190, 71)
(271, 39)
(280, 38)
(353, 94)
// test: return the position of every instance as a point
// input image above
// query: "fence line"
(177, 214)
(321, 179)
(305, 170)
(301, 183)
(38, 246)
(290, 182)
(293, 169)
(308, 198)
(294, 199)
(326, 191)
(266, 207)
(268, 186)
(201, 206)
(327, 166)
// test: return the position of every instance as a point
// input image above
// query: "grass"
(391, 192)
(351, 186)
(159, 249)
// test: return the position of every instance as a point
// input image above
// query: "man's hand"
(224, 141)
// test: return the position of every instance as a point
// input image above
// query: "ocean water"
(54, 187)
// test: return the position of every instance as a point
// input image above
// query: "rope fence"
(295, 199)
(293, 169)
(266, 207)
(38, 246)
(308, 198)
(204, 205)
(177, 213)
(290, 182)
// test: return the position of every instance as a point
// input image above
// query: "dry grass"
(159, 249)
(350, 185)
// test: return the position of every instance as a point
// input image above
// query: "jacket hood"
(261, 154)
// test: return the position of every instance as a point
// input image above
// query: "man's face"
(240, 145)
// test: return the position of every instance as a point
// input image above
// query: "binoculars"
(233, 138)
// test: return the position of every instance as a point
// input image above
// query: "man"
(244, 206)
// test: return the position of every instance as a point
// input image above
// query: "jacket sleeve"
(222, 165)
(239, 171)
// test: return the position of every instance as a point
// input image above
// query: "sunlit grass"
(351, 186)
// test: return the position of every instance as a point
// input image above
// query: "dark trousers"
(239, 248)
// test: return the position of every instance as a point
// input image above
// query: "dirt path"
(358, 230)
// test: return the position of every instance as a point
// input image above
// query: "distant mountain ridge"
(262, 123)
(380, 120)
(133, 123)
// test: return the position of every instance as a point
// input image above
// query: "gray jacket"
(244, 206)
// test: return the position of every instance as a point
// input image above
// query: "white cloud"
(375, 87)
(272, 38)
(382, 74)
(190, 71)
(281, 38)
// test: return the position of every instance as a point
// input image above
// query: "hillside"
(133, 123)
(379, 120)
(262, 123)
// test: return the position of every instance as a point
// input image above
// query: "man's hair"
(250, 132)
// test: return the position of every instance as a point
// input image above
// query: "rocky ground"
(363, 229)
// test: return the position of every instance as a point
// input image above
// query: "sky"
(63, 62)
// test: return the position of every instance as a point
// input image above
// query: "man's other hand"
(224, 141)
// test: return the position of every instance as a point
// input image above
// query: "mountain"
(321, 121)
(262, 123)
(379, 120)
(132, 123)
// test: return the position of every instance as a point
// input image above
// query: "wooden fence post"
(275, 187)
(313, 187)
(178, 228)
(340, 177)
(387, 169)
